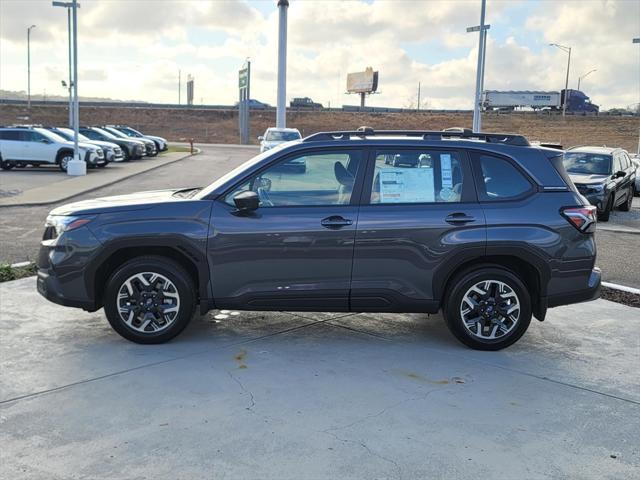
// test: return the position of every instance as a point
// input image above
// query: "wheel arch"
(113, 257)
(61, 151)
(533, 273)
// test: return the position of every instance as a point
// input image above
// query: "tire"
(6, 165)
(604, 216)
(626, 206)
(149, 326)
(496, 319)
(102, 165)
(125, 154)
(63, 159)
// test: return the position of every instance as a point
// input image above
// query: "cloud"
(134, 48)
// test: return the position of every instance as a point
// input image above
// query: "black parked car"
(150, 146)
(131, 149)
(491, 231)
(605, 176)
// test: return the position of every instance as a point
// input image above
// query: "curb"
(75, 194)
(621, 288)
(629, 230)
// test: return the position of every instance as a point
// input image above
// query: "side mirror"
(620, 174)
(45, 140)
(260, 138)
(247, 201)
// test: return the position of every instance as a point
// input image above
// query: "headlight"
(66, 223)
(596, 187)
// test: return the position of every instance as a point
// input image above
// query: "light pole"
(76, 166)
(482, 36)
(281, 111)
(637, 40)
(567, 50)
(586, 74)
(29, 65)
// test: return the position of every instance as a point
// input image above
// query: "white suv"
(21, 146)
(277, 136)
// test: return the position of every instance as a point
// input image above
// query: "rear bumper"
(590, 292)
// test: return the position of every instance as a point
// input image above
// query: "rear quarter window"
(498, 179)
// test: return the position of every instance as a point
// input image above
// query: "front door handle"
(335, 221)
(459, 219)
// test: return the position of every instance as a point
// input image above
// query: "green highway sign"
(243, 78)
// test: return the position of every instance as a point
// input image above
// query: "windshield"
(280, 136)
(131, 132)
(236, 171)
(115, 132)
(51, 135)
(67, 134)
(105, 133)
(587, 163)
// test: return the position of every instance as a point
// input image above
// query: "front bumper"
(591, 291)
(49, 287)
(62, 263)
(597, 199)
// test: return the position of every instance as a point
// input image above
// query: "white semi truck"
(510, 100)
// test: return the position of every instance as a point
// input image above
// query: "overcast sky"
(133, 49)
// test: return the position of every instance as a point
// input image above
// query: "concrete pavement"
(310, 396)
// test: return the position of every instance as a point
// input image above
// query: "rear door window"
(13, 135)
(417, 176)
(498, 179)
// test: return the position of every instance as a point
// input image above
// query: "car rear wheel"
(626, 206)
(488, 308)
(149, 300)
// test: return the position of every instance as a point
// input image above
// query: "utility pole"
(566, 50)
(477, 121)
(29, 66)
(281, 112)
(179, 86)
(418, 106)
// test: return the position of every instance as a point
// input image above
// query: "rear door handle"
(335, 221)
(459, 218)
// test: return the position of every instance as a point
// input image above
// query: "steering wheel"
(264, 197)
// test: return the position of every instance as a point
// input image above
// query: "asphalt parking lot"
(21, 227)
(309, 396)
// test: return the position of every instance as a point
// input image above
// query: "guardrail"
(344, 108)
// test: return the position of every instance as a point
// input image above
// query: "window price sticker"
(406, 185)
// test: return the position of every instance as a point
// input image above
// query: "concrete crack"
(246, 391)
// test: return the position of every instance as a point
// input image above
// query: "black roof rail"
(449, 133)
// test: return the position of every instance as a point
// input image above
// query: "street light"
(76, 166)
(29, 65)
(566, 82)
(637, 40)
(68, 6)
(477, 119)
(586, 74)
(281, 103)
(482, 28)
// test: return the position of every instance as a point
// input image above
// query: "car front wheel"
(149, 299)
(488, 308)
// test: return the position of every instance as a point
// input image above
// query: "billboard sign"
(362, 82)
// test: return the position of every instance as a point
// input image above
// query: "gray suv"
(486, 228)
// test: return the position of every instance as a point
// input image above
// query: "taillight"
(583, 218)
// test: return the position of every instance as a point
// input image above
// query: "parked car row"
(24, 145)
(606, 177)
